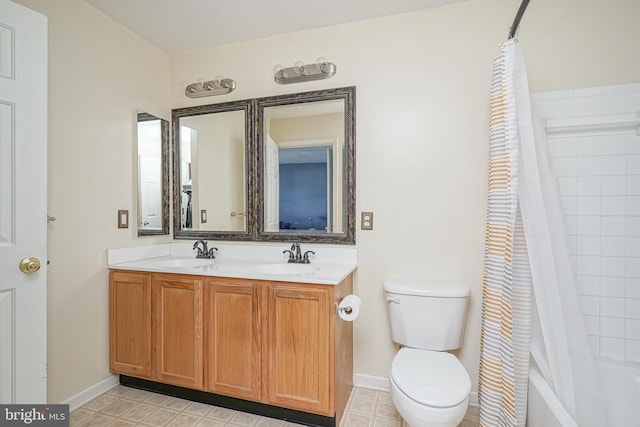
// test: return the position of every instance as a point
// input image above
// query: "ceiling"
(178, 26)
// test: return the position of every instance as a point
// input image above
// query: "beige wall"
(422, 105)
(327, 126)
(99, 75)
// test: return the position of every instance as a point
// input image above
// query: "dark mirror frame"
(347, 94)
(164, 128)
(248, 107)
(254, 123)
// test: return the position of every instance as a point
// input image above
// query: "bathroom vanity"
(253, 333)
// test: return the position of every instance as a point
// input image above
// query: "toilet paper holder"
(347, 309)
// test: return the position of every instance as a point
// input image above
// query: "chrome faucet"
(296, 256)
(203, 251)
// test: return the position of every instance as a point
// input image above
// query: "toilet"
(429, 387)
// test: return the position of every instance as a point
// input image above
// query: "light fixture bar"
(305, 73)
(210, 88)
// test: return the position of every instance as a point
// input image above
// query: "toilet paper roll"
(349, 308)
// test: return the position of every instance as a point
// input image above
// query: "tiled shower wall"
(598, 172)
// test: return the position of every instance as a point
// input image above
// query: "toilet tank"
(427, 314)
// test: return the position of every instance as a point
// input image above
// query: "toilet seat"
(430, 378)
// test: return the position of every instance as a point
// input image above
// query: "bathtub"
(621, 386)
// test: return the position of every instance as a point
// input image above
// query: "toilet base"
(406, 424)
(417, 415)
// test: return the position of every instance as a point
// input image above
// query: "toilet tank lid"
(428, 288)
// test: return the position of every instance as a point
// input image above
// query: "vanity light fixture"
(301, 72)
(217, 86)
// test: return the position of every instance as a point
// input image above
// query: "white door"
(23, 217)
(151, 192)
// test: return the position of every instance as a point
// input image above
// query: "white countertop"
(329, 265)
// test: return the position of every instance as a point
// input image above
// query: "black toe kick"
(257, 408)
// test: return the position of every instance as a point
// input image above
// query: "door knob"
(30, 265)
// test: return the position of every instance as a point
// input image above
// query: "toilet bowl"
(429, 388)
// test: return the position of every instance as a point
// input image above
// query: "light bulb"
(278, 70)
(300, 67)
(187, 87)
(322, 64)
(204, 84)
(219, 81)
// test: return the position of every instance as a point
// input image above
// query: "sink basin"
(185, 262)
(288, 269)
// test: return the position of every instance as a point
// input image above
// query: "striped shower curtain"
(506, 294)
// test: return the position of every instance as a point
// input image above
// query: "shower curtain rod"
(516, 20)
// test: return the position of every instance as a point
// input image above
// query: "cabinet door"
(300, 346)
(233, 339)
(130, 323)
(178, 326)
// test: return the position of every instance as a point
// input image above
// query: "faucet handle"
(305, 257)
(196, 246)
(291, 256)
(212, 252)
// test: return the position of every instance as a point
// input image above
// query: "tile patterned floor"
(128, 407)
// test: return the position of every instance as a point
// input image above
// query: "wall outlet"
(366, 221)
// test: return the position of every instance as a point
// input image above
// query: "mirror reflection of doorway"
(304, 191)
(150, 192)
(305, 188)
(149, 172)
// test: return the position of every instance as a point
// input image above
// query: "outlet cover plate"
(366, 221)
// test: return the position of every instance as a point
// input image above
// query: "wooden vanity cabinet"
(278, 343)
(309, 349)
(233, 338)
(130, 323)
(299, 346)
(177, 322)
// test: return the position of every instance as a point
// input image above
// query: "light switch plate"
(366, 221)
(123, 218)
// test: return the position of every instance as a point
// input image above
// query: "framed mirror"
(306, 173)
(153, 175)
(211, 171)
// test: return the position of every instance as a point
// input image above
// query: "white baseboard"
(92, 392)
(473, 399)
(372, 382)
(382, 384)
